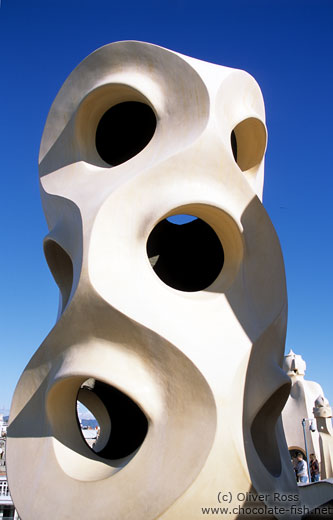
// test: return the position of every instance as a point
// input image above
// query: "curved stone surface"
(187, 383)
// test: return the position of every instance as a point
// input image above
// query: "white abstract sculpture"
(323, 414)
(172, 336)
(300, 403)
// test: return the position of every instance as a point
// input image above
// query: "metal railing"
(4, 490)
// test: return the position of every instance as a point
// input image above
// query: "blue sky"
(286, 45)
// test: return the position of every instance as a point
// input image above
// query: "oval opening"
(120, 425)
(248, 143)
(185, 252)
(124, 131)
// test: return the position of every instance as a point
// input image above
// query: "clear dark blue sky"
(286, 45)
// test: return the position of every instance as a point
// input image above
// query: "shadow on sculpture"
(172, 335)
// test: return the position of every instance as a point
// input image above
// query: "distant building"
(90, 435)
(3, 426)
(7, 509)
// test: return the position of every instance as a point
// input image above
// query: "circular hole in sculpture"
(185, 253)
(124, 130)
(118, 426)
(248, 143)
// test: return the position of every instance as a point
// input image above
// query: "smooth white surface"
(204, 367)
